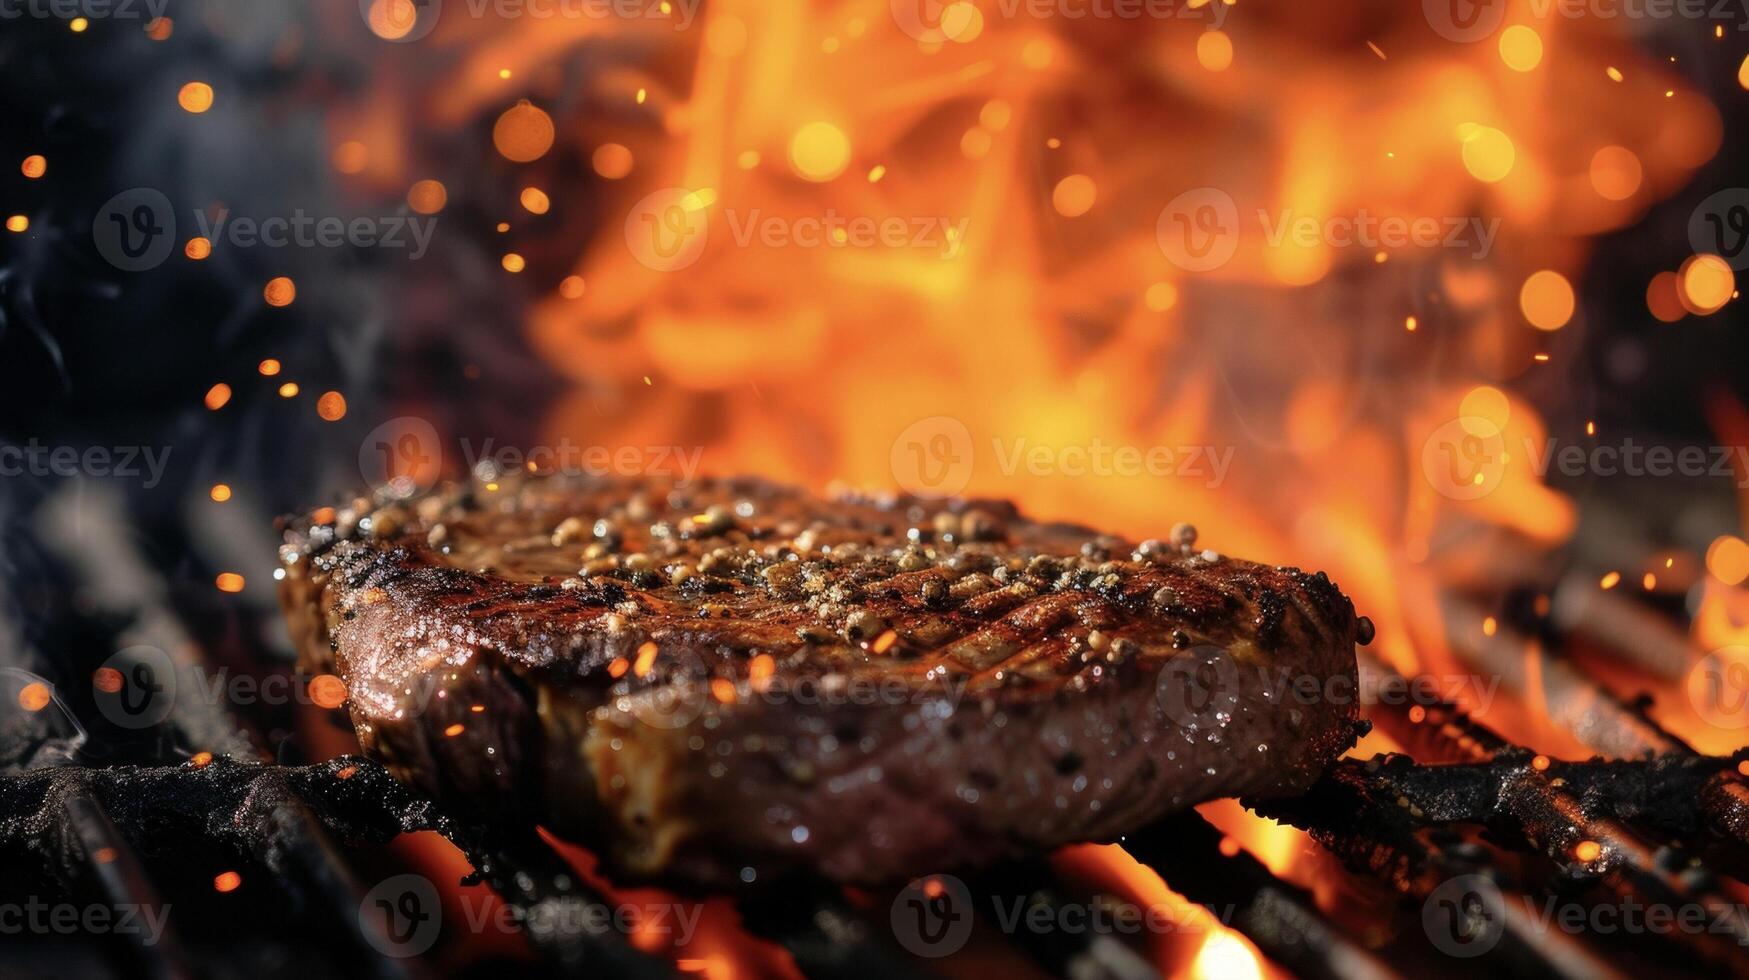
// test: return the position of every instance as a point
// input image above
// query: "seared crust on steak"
(700, 680)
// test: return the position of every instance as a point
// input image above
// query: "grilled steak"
(734, 678)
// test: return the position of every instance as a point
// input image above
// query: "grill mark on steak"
(626, 661)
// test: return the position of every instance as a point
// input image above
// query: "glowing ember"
(392, 20)
(17, 223)
(612, 161)
(200, 760)
(331, 406)
(1226, 956)
(351, 157)
(1706, 283)
(34, 166)
(1074, 195)
(198, 248)
(427, 196)
(1214, 50)
(327, 691)
(107, 680)
(524, 133)
(220, 492)
(269, 367)
(1546, 300)
(762, 668)
(534, 200)
(1521, 48)
(1664, 299)
(280, 291)
(1488, 153)
(228, 881)
(229, 582)
(1616, 173)
(34, 696)
(1727, 558)
(819, 151)
(195, 97)
(288, 390)
(646, 658)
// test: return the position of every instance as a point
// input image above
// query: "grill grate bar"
(116, 870)
(89, 533)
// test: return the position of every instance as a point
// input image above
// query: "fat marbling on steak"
(721, 680)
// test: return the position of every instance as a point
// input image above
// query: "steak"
(728, 679)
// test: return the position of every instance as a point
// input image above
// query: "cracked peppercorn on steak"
(734, 678)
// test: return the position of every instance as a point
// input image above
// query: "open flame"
(1048, 292)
